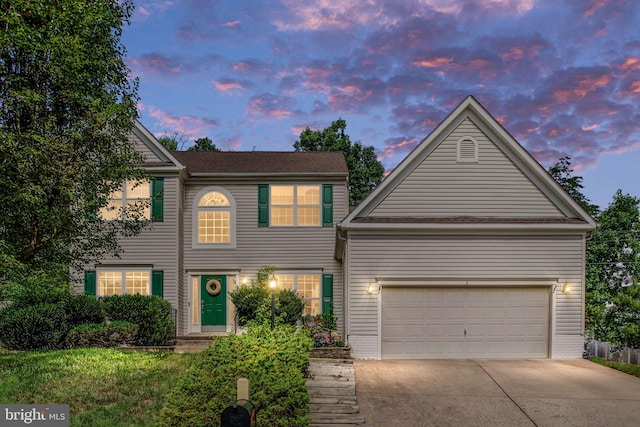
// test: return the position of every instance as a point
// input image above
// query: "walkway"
(332, 392)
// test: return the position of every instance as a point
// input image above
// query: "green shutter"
(327, 293)
(90, 282)
(157, 199)
(327, 205)
(157, 283)
(263, 205)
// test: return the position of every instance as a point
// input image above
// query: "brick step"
(331, 362)
(331, 370)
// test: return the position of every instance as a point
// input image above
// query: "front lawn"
(104, 387)
(107, 387)
(624, 367)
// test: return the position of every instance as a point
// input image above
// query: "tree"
(203, 144)
(66, 107)
(563, 174)
(365, 170)
(174, 140)
(613, 257)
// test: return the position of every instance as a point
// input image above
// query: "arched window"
(214, 218)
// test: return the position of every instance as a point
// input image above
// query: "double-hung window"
(295, 206)
(307, 286)
(124, 282)
(131, 201)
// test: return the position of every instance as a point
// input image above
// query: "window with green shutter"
(90, 282)
(327, 205)
(327, 293)
(263, 205)
(157, 283)
(157, 199)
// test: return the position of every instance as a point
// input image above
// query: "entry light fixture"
(372, 288)
(566, 289)
(273, 282)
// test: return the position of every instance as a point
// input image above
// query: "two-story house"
(218, 217)
(468, 249)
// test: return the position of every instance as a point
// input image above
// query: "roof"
(574, 217)
(262, 162)
(465, 220)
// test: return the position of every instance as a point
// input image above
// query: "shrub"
(35, 327)
(273, 361)
(248, 300)
(114, 334)
(152, 314)
(290, 306)
(83, 309)
(322, 329)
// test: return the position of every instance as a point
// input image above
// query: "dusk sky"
(562, 76)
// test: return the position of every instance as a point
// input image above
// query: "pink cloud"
(269, 105)
(186, 124)
(231, 24)
(231, 85)
(581, 88)
(145, 9)
(156, 63)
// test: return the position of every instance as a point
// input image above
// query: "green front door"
(213, 307)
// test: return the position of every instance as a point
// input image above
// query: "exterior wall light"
(566, 289)
(372, 289)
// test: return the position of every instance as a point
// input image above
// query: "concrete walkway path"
(495, 393)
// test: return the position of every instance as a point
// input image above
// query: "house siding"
(440, 186)
(498, 258)
(286, 248)
(156, 245)
(143, 149)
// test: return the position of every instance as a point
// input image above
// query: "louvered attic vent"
(467, 149)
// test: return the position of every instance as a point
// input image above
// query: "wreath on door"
(213, 287)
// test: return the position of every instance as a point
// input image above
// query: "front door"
(213, 293)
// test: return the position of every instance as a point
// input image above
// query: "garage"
(487, 322)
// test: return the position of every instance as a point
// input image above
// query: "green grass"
(104, 387)
(624, 367)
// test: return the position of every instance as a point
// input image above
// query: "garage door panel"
(431, 322)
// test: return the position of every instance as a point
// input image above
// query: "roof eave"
(465, 227)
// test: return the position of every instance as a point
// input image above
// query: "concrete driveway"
(414, 393)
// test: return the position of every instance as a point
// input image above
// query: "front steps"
(332, 393)
(193, 343)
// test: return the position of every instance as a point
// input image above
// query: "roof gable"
(435, 187)
(154, 153)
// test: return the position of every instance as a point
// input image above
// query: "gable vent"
(467, 149)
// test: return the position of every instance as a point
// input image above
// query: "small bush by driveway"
(495, 393)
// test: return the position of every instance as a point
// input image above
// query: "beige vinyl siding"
(158, 244)
(142, 148)
(442, 187)
(493, 258)
(287, 248)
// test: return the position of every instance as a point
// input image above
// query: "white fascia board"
(464, 227)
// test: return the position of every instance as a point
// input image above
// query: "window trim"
(124, 199)
(232, 219)
(123, 273)
(295, 186)
(295, 274)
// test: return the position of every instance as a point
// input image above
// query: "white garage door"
(465, 323)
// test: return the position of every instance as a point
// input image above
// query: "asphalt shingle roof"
(262, 162)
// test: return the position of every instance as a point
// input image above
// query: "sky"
(562, 76)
